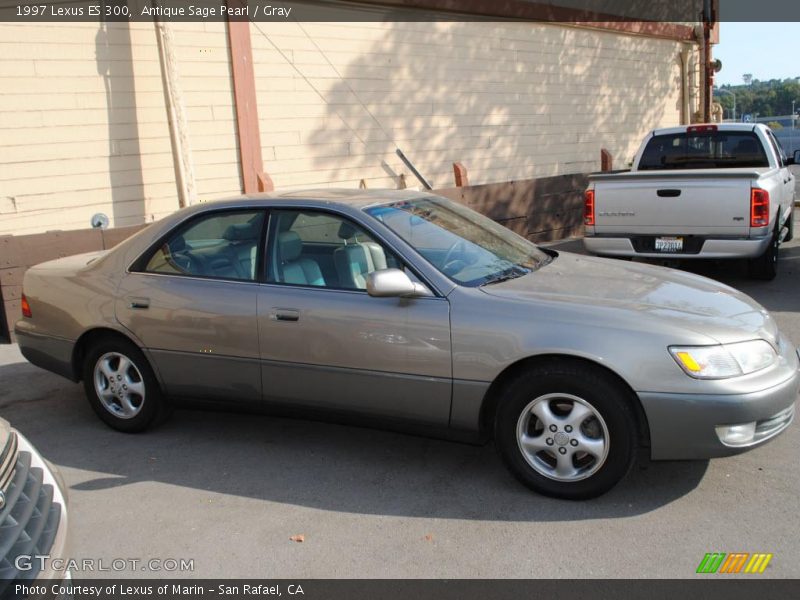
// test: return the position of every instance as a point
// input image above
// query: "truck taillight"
(588, 207)
(26, 308)
(759, 207)
(701, 129)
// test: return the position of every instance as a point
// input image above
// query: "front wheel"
(121, 387)
(566, 431)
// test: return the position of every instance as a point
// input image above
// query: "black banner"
(572, 11)
(708, 588)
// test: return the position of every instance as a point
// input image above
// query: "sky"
(767, 50)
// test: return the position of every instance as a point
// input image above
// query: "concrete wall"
(83, 124)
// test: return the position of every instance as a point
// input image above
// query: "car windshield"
(469, 248)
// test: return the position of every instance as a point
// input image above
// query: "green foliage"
(765, 98)
(774, 125)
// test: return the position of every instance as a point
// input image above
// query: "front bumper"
(683, 426)
(711, 248)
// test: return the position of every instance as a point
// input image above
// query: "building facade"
(133, 119)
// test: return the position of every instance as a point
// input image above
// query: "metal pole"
(425, 183)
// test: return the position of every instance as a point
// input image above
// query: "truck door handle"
(139, 303)
(668, 193)
(285, 314)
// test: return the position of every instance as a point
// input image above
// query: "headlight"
(725, 360)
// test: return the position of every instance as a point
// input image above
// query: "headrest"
(289, 245)
(347, 231)
(240, 231)
(177, 244)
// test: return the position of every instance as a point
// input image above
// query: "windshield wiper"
(504, 276)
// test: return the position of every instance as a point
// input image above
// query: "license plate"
(669, 244)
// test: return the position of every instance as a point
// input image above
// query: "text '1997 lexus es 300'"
(411, 311)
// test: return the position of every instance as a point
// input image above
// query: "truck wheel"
(121, 387)
(566, 431)
(765, 267)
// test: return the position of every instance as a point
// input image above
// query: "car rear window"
(703, 150)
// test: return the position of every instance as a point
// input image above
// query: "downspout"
(707, 72)
(178, 131)
(686, 110)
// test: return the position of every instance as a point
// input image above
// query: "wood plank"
(12, 276)
(115, 235)
(27, 250)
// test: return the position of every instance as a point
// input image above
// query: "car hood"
(682, 299)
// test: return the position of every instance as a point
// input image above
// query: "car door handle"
(668, 193)
(139, 303)
(285, 314)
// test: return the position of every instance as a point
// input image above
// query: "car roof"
(356, 198)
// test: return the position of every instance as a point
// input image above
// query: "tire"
(126, 396)
(605, 424)
(765, 267)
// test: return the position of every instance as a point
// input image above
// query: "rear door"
(192, 301)
(786, 180)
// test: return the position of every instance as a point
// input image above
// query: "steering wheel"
(181, 261)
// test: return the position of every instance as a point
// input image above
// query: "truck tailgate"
(709, 205)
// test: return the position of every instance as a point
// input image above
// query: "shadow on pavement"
(319, 465)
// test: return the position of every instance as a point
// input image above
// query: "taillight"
(26, 308)
(588, 207)
(759, 207)
(701, 129)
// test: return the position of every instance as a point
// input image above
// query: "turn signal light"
(588, 207)
(26, 308)
(759, 207)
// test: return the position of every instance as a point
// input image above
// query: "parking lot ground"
(227, 490)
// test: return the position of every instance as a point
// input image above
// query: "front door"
(326, 343)
(192, 303)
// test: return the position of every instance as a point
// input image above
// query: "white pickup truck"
(699, 191)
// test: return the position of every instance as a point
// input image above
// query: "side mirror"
(394, 283)
(794, 159)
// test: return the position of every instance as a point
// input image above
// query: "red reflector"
(759, 208)
(588, 207)
(701, 128)
(26, 308)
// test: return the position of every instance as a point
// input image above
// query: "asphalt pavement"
(228, 490)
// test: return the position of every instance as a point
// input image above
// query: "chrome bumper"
(711, 249)
(34, 519)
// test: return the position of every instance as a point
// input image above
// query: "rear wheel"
(121, 387)
(765, 267)
(566, 431)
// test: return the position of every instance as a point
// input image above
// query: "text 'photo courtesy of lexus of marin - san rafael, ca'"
(403, 309)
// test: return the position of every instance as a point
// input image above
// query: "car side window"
(321, 249)
(222, 245)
